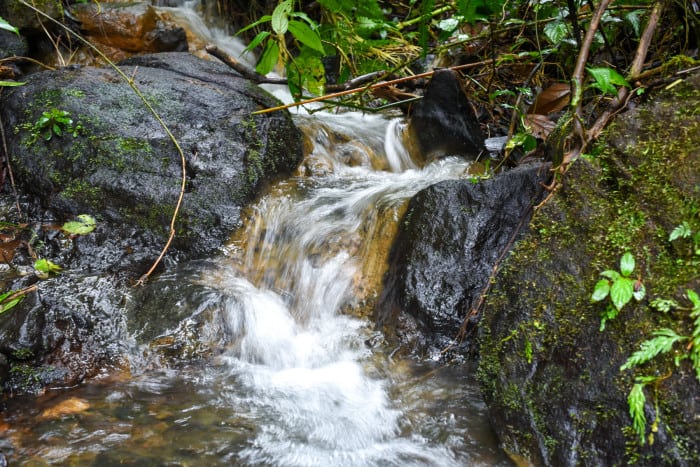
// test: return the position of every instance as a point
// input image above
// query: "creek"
(301, 377)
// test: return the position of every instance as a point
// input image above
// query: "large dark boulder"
(116, 162)
(550, 377)
(448, 242)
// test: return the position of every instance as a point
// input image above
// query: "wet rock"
(443, 122)
(550, 377)
(133, 27)
(449, 239)
(114, 161)
(12, 45)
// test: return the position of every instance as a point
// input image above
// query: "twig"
(21, 293)
(9, 169)
(155, 114)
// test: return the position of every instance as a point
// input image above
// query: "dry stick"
(371, 87)
(155, 114)
(9, 169)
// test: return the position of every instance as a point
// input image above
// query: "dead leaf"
(553, 99)
(540, 125)
(70, 406)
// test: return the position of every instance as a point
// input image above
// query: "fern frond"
(636, 401)
(662, 343)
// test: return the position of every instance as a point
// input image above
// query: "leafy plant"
(606, 79)
(56, 122)
(283, 20)
(663, 342)
(620, 287)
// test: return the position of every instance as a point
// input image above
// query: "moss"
(629, 196)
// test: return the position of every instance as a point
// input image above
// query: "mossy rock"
(550, 377)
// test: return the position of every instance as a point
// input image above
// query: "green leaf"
(304, 34)
(621, 292)
(556, 31)
(4, 25)
(662, 343)
(269, 57)
(4, 306)
(46, 266)
(601, 290)
(606, 79)
(261, 36)
(263, 19)
(610, 274)
(306, 72)
(633, 19)
(609, 313)
(84, 225)
(280, 17)
(636, 401)
(663, 305)
(10, 83)
(627, 264)
(681, 231)
(695, 300)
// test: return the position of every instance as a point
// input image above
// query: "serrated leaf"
(621, 292)
(84, 225)
(601, 290)
(304, 34)
(662, 343)
(627, 264)
(280, 17)
(268, 59)
(636, 401)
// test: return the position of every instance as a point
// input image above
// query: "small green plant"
(663, 342)
(55, 122)
(606, 79)
(620, 287)
(683, 232)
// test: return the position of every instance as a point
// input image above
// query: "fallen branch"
(241, 68)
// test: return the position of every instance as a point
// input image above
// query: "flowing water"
(300, 377)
